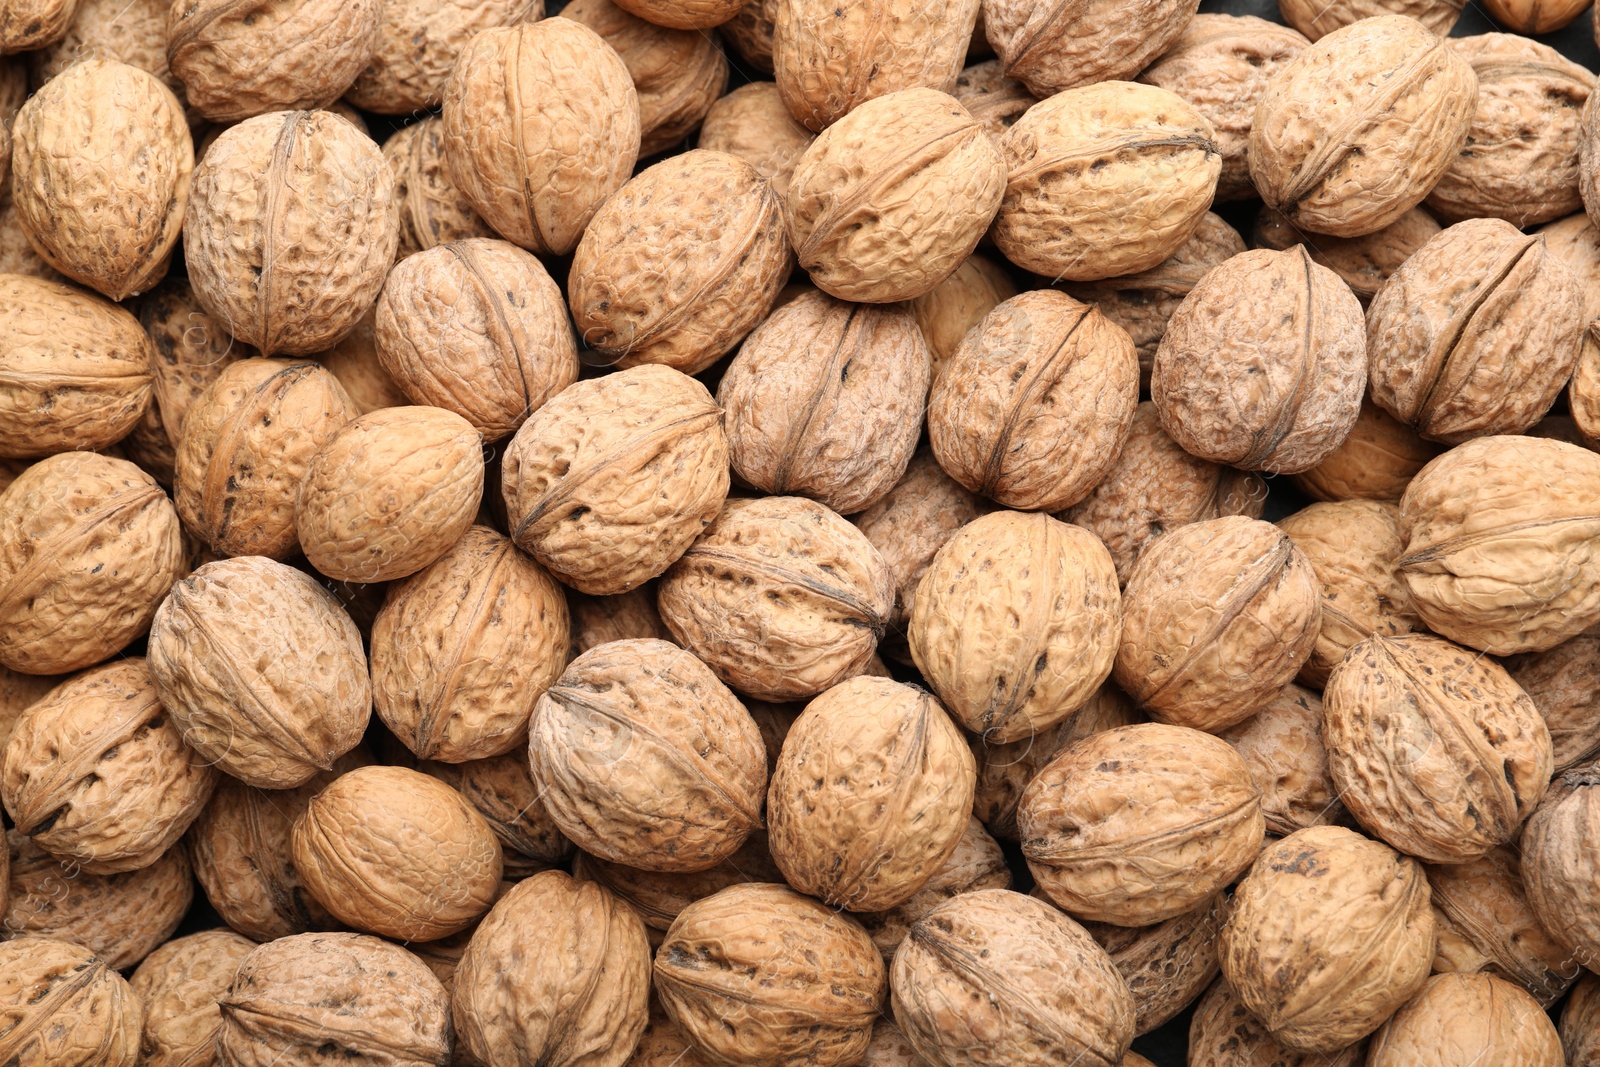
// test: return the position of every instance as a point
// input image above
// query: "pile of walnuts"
(524, 556)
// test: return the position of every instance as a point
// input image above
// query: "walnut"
(1364, 262)
(752, 123)
(1533, 17)
(1062, 45)
(16, 254)
(684, 14)
(432, 210)
(1166, 965)
(1476, 1016)
(1376, 461)
(598, 619)
(132, 33)
(1558, 869)
(1317, 18)
(889, 1048)
(1564, 684)
(418, 42)
(64, 1006)
(30, 24)
(1580, 1022)
(663, 1046)
(958, 303)
(992, 98)
(977, 863)
(19, 692)
(504, 793)
(1223, 1033)
(179, 985)
(1576, 240)
(354, 362)
(1282, 746)
(751, 33)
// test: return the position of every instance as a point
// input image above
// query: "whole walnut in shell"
(752, 123)
(958, 303)
(1317, 18)
(598, 619)
(1015, 623)
(89, 545)
(1081, 169)
(1576, 240)
(890, 199)
(1218, 616)
(1376, 461)
(684, 14)
(262, 670)
(1580, 1022)
(1558, 868)
(1564, 684)
(179, 985)
(750, 33)
(1224, 1033)
(1064, 45)
(825, 400)
(992, 98)
(292, 225)
(16, 254)
(132, 33)
(19, 692)
(432, 210)
(354, 362)
(503, 791)
(418, 43)
(1534, 17)
(30, 24)
(1467, 1018)
(662, 1045)
(1033, 405)
(64, 1006)
(1166, 965)
(977, 863)
(1364, 262)
(1140, 824)
(611, 480)
(1282, 746)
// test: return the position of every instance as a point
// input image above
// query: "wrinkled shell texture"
(825, 400)
(19, 692)
(179, 985)
(781, 597)
(1218, 617)
(1140, 824)
(958, 303)
(1223, 1033)
(504, 792)
(890, 199)
(1576, 240)
(646, 759)
(1360, 126)
(262, 669)
(1015, 623)
(752, 123)
(1282, 746)
(977, 863)
(1558, 869)
(1364, 262)
(1105, 180)
(680, 263)
(759, 975)
(60, 1006)
(1376, 461)
(541, 125)
(1062, 45)
(1564, 684)
(1167, 965)
(663, 1046)
(1471, 1017)
(1580, 1022)
(16, 254)
(998, 979)
(34, 23)
(992, 98)
(1318, 18)
(132, 33)
(354, 362)
(598, 619)
(89, 545)
(432, 210)
(751, 32)
(418, 42)
(612, 480)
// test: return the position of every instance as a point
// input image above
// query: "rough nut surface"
(61, 1006)
(957, 304)
(1166, 965)
(1063, 45)
(418, 43)
(992, 98)
(1223, 1033)
(1364, 262)
(1472, 1016)
(1580, 1022)
(30, 24)
(684, 14)
(752, 123)
(1318, 18)
(1564, 684)
(504, 792)
(1376, 461)
(1531, 17)
(432, 210)
(1558, 865)
(598, 619)
(1282, 746)
(977, 863)
(179, 985)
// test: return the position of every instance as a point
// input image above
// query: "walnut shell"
(780, 597)
(30, 24)
(505, 794)
(599, 619)
(825, 400)
(995, 977)
(1318, 18)
(1575, 240)
(1583, 393)
(1282, 746)
(958, 303)
(558, 972)
(1532, 17)
(1359, 126)
(889, 1048)
(752, 123)
(1081, 169)
(992, 98)
(1015, 623)
(1140, 824)
(1167, 965)
(16, 254)
(751, 34)
(1223, 1033)
(418, 42)
(89, 545)
(179, 985)
(684, 14)
(1475, 1017)
(1033, 406)
(18, 693)
(889, 200)
(354, 362)
(977, 863)
(432, 210)
(65, 1007)
(1558, 869)
(132, 33)
(1364, 262)
(1218, 616)
(76, 369)
(1062, 45)
(261, 669)
(344, 996)
(663, 1046)
(759, 975)
(1580, 1034)
(579, 473)
(645, 759)
(541, 125)
(680, 263)
(1376, 461)
(1564, 684)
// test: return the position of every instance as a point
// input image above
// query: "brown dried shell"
(1166, 965)
(1564, 684)
(1534, 17)
(599, 619)
(16, 254)
(1467, 1016)
(977, 863)
(179, 985)
(663, 1046)
(1223, 1033)
(1580, 1023)
(1317, 18)
(751, 33)
(958, 303)
(19, 692)
(418, 43)
(889, 1048)
(505, 794)
(432, 210)
(1365, 262)
(1376, 461)
(64, 1007)
(1576, 240)
(1063, 45)
(1558, 862)
(752, 123)
(1282, 746)
(684, 14)
(354, 361)
(992, 98)
(30, 24)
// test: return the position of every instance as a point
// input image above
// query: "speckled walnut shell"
(598, 619)
(680, 263)
(1467, 1017)
(1564, 684)
(541, 125)
(432, 210)
(1105, 180)
(88, 547)
(1282, 746)
(344, 996)
(609, 482)
(645, 759)
(1218, 616)
(1223, 1033)
(827, 64)
(1558, 868)
(1317, 18)
(418, 42)
(30, 24)
(752, 123)
(977, 863)
(996, 978)
(889, 200)
(1360, 126)
(262, 669)
(1534, 17)
(992, 98)
(1364, 262)
(889, 1048)
(825, 400)
(1063, 45)
(1166, 965)
(1015, 623)
(958, 303)
(761, 976)
(16, 254)
(505, 794)
(1140, 824)
(1580, 1023)
(179, 985)
(1376, 461)
(74, 369)
(61, 1006)
(781, 597)
(1583, 394)
(1033, 405)
(242, 59)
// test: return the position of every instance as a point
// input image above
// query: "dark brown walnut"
(1317, 18)
(65, 1007)
(504, 793)
(418, 42)
(781, 597)
(1475, 334)
(1564, 684)
(1364, 262)
(1327, 936)
(1282, 746)
(1140, 824)
(1558, 862)
(89, 545)
(1583, 394)
(1081, 167)
(992, 98)
(1033, 406)
(1580, 1023)
(262, 670)
(645, 759)
(1469, 1017)
(1218, 616)
(958, 303)
(1534, 17)
(30, 24)
(1154, 487)
(1264, 364)
(432, 210)
(1063, 45)
(557, 973)
(1359, 126)
(121, 918)
(598, 619)
(179, 985)
(614, 478)
(1221, 65)
(1015, 970)
(977, 863)
(1224, 1033)
(1376, 461)
(74, 369)
(752, 123)
(1015, 623)
(750, 33)
(476, 327)
(759, 975)
(1500, 543)
(825, 400)
(344, 996)
(1167, 965)
(238, 60)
